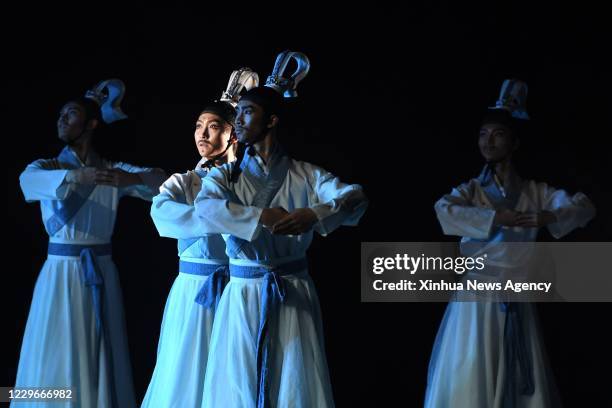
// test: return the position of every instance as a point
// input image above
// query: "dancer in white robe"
(75, 334)
(267, 345)
(490, 354)
(178, 378)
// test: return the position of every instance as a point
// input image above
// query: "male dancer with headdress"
(178, 379)
(490, 354)
(267, 345)
(75, 334)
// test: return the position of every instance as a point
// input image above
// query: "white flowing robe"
(467, 368)
(299, 374)
(178, 378)
(59, 346)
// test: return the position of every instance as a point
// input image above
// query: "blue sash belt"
(272, 295)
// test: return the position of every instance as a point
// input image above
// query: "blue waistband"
(256, 272)
(75, 249)
(209, 294)
(196, 268)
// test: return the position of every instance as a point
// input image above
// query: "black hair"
(222, 109)
(518, 127)
(91, 107)
(270, 100)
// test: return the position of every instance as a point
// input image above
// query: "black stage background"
(392, 102)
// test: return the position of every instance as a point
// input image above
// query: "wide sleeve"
(335, 203)
(44, 180)
(459, 216)
(152, 178)
(172, 215)
(571, 211)
(219, 211)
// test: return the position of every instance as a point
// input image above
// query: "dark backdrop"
(392, 103)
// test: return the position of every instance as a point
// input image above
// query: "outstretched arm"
(135, 181)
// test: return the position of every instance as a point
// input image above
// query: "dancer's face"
(71, 122)
(495, 141)
(211, 134)
(250, 122)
